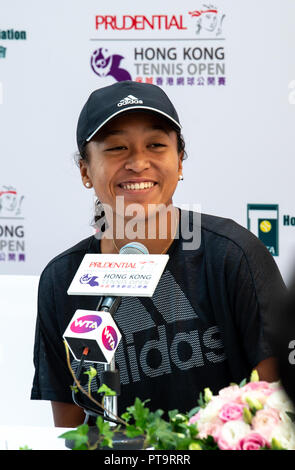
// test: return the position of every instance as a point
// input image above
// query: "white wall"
(18, 301)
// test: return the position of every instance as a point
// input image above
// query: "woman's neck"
(155, 233)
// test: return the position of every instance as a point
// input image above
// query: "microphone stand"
(110, 402)
(111, 378)
(111, 375)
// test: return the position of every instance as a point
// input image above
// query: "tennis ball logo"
(265, 226)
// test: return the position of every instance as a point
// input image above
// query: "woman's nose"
(137, 161)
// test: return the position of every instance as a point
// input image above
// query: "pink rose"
(231, 393)
(224, 445)
(210, 429)
(263, 387)
(194, 418)
(252, 441)
(265, 420)
(231, 411)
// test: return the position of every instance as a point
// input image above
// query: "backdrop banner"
(228, 67)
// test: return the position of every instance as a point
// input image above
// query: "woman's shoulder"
(72, 256)
(226, 236)
(225, 228)
(220, 234)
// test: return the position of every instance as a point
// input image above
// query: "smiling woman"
(134, 156)
(207, 323)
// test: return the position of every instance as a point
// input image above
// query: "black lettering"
(19, 231)
(219, 53)
(140, 53)
(208, 53)
(197, 53)
(172, 53)
(186, 53)
(150, 53)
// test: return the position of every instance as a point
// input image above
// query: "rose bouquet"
(250, 416)
(256, 415)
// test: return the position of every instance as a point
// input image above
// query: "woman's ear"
(180, 160)
(84, 171)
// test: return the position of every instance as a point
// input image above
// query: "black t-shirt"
(205, 326)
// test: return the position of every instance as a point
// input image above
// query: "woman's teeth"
(143, 185)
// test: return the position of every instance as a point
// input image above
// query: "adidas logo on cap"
(130, 99)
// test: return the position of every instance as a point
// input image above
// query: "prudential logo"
(263, 221)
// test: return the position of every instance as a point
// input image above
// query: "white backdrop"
(238, 123)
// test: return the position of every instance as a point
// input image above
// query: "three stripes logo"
(130, 99)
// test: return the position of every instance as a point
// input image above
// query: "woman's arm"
(67, 415)
(268, 370)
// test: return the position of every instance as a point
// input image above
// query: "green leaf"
(172, 414)
(91, 372)
(254, 376)
(126, 416)
(207, 395)
(79, 436)
(105, 431)
(254, 404)
(106, 390)
(208, 443)
(247, 415)
(193, 411)
(241, 384)
(194, 446)
(291, 415)
(193, 429)
(132, 431)
(139, 413)
(276, 445)
(201, 401)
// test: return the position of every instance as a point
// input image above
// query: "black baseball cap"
(106, 103)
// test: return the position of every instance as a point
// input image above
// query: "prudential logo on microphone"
(86, 323)
(109, 338)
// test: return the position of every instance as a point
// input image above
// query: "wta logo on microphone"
(85, 324)
(109, 338)
(95, 330)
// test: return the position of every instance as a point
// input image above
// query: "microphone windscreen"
(134, 248)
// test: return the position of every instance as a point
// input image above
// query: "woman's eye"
(119, 147)
(157, 145)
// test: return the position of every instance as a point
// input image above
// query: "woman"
(207, 322)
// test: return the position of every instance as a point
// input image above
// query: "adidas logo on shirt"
(130, 99)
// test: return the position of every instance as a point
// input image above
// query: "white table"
(35, 438)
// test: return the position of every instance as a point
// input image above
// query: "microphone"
(111, 375)
(134, 248)
(93, 336)
(97, 330)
